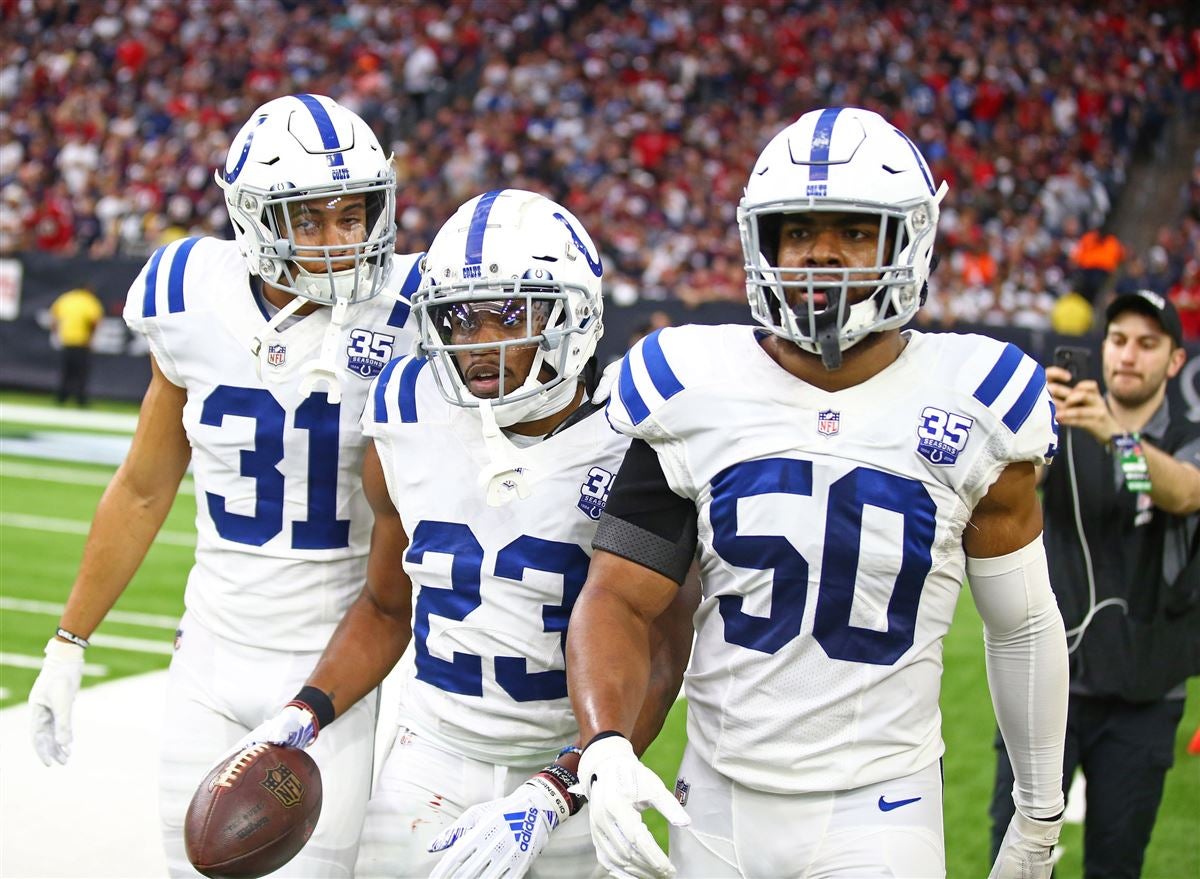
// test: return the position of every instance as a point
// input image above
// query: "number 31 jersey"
(830, 539)
(493, 587)
(282, 525)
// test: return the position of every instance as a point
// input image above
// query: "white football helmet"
(527, 258)
(839, 159)
(298, 148)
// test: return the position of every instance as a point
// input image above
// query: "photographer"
(1120, 505)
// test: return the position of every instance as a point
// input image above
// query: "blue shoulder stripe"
(149, 303)
(408, 388)
(1052, 449)
(399, 315)
(1020, 411)
(1001, 373)
(381, 416)
(175, 279)
(661, 376)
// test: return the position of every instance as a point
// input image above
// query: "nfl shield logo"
(276, 354)
(828, 422)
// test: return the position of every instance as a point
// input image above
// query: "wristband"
(562, 779)
(72, 637)
(608, 733)
(318, 702)
(571, 749)
(1132, 458)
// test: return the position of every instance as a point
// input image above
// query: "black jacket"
(1145, 646)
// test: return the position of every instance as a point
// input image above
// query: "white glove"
(294, 727)
(51, 698)
(499, 839)
(1028, 848)
(608, 378)
(619, 788)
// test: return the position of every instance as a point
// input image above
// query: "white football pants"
(891, 830)
(217, 692)
(424, 788)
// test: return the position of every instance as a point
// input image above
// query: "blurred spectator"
(642, 117)
(1186, 296)
(74, 316)
(1096, 257)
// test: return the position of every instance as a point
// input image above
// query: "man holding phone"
(1121, 515)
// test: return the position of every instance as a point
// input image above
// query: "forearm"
(671, 637)
(366, 645)
(608, 658)
(1027, 671)
(124, 527)
(1175, 486)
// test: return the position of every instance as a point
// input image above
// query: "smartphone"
(1076, 361)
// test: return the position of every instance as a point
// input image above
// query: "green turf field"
(44, 505)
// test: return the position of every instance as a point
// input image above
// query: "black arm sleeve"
(644, 521)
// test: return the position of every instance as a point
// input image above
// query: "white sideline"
(58, 417)
(97, 816)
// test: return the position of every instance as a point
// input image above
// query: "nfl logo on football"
(276, 354)
(828, 422)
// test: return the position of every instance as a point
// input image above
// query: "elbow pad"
(1026, 653)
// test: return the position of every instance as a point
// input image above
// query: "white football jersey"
(282, 524)
(830, 539)
(493, 587)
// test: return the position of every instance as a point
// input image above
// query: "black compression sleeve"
(644, 521)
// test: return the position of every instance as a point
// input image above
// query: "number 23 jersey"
(830, 538)
(282, 524)
(493, 587)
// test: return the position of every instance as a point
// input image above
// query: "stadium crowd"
(641, 117)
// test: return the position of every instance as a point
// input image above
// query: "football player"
(843, 476)
(491, 465)
(262, 351)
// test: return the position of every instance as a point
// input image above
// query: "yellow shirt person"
(74, 318)
(76, 314)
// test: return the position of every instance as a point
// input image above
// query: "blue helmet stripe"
(381, 416)
(818, 157)
(991, 387)
(325, 127)
(408, 389)
(149, 303)
(483, 207)
(1020, 411)
(175, 279)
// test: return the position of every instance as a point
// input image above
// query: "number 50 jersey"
(830, 539)
(493, 587)
(282, 524)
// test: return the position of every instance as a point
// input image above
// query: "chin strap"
(829, 338)
(324, 370)
(502, 477)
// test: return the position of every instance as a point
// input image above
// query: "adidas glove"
(618, 788)
(499, 839)
(1027, 849)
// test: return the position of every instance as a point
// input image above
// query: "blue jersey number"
(463, 673)
(320, 529)
(848, 496)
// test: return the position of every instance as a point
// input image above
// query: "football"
(253, 812)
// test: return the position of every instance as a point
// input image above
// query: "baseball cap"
(1149, 303)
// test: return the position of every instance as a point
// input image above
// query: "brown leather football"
(253, 812)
